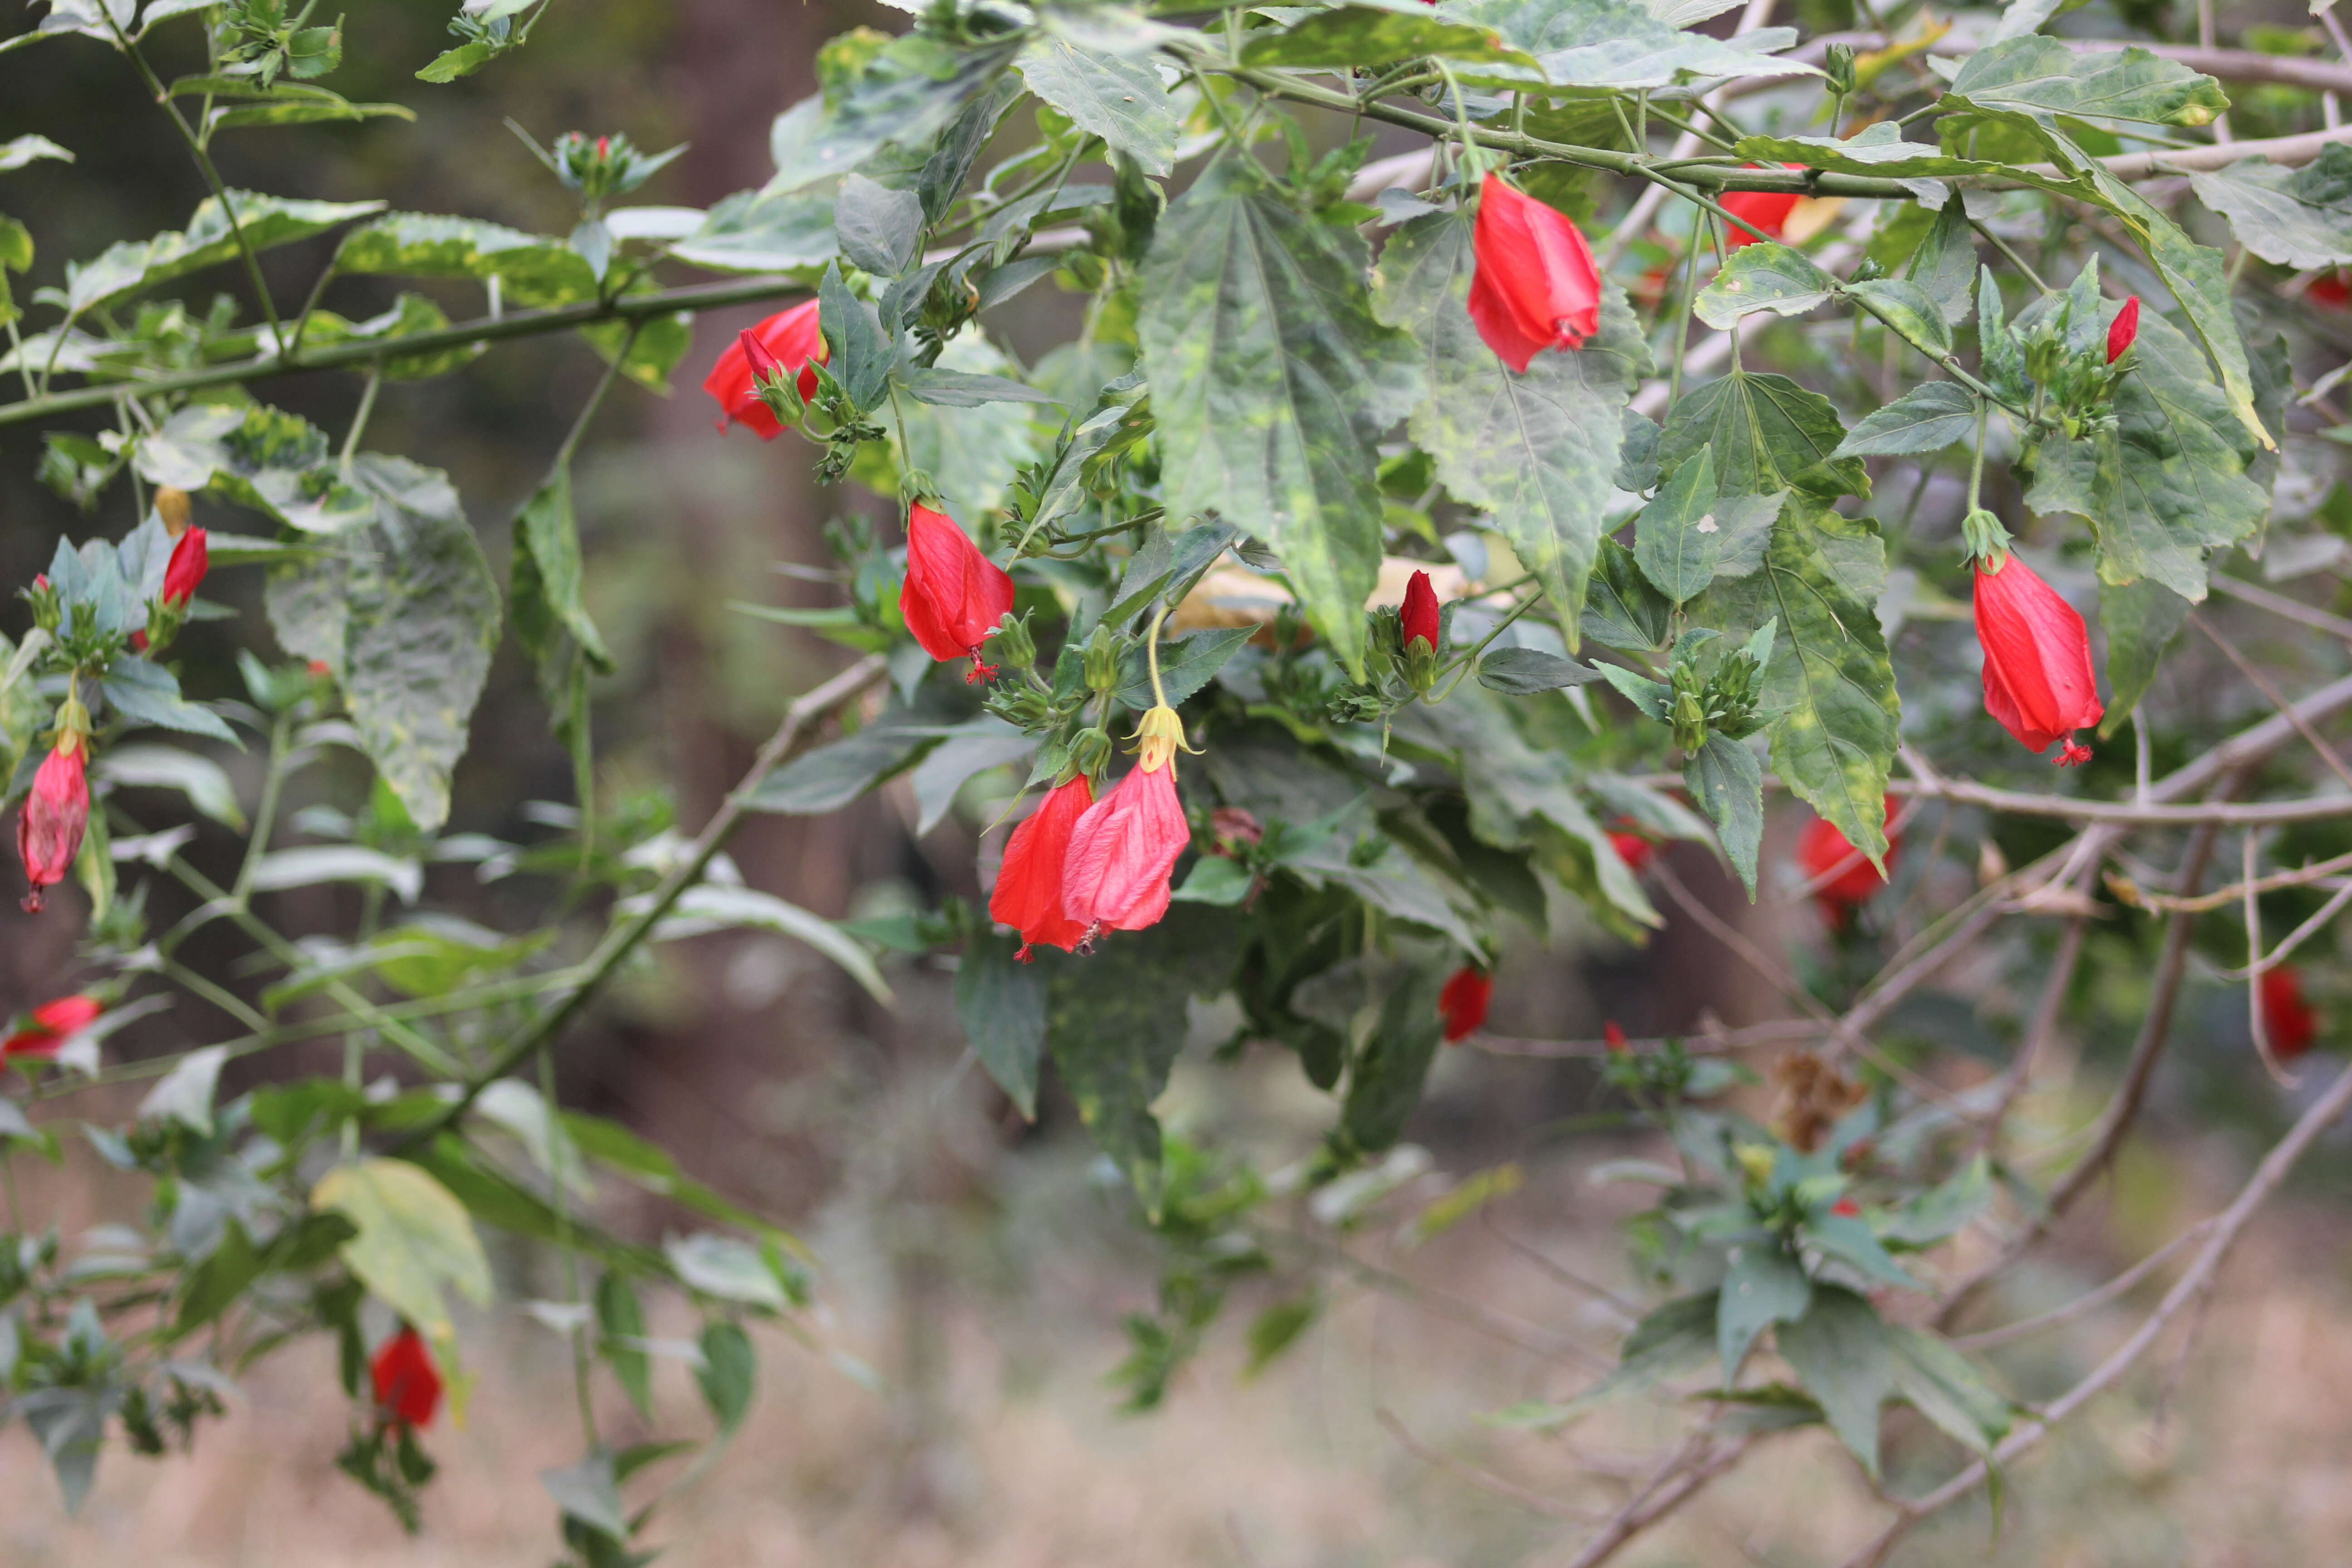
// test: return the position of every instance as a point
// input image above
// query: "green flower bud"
(1102, 660)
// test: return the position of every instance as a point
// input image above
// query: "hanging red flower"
(790, 339)
(407, 1383)
(1842, 878)
(56, 813)
(1536, 286)
(191, 557)
(2287, 1018)
(2122, 329)
(2037, 661)
(1461, 1002)
(1028, 895)
(50, 1026)
(1126, 844)
(1766, 210)
(1633, 849)
(954, 595)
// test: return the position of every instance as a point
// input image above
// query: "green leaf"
(1216, 880)
(749, 232)
(1910, 310)
(1273, 381)
(2041, 78)
(1121, 101)
(125, 268)
(831, 776)
(1727, 782)
(1673, 1340)
(1943, 1385)
(713, 906)
(1524, 671)
(2140, 620)
(1186, 665)
(1116, 1021)
(1830, 684)
(1375, 34)
(729, 1374)
(1763, 275)
(1938, 1213)
(304, 111)
(620, 1324)
(204, 782)
(413, 1239)
(971, 454)
(963, 389)
(1385, 1084)
(1167, 561)
(1841, 1353)
(464, 60)
(2167, 483)
(533, 269)
(184, 1094)
(1618, 44)
(588, 1492)
(1621, 609)
(726, 1268)
(1880, 152)
(265, 458)
(1763, 1286)
(406, 621)
(146, 693)
(1945, 265)
(905, 93)
(19, 151)
(1538, 451)
(2294, 218)
(1676, 536)
(1927, 418)
(1001, 1004)
(1767, 434)
(549, 574)
(1277, 1328)
(879, 230)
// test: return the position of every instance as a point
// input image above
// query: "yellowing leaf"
(413, 1239)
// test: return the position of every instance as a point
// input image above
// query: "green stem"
(1469, 659)
(360, 419)
(273, 782)
(1151, 654)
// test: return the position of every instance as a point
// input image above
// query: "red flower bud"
(190, 560)
(1121, 852)
(1612, 1036)
(2037, 661)
(1463, 1001)
(1235, 825)
(1841, 876)
(50, 1023)
(790, 339)
(1028, 895)
(2124, 328)
(1846, 1208)
(2287, 1018)
(954, 596)
(1633, 849)
(1764, 210)
(407, 1383)
(50, 824)
(1419, 618)
(2331, 290)
(1535, 286)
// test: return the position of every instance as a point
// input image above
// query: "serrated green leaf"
(1538, 450)
(533, 269)
(1676, 536)
(1524, 671)
(2294, 218)
(1001, 1004)
(1830, 683)
(1385, 1080)
(1763, 1286)
(1943, 1385)
(1375, 34)
(1840, 1353)
(413, 1239)
(971, 454)
(2140, 620)
(1272, 381)
(907, 92)
(1121, 101)
(1727, 782)
(2168, 482)
(2044, 77)
(1910, 310)
(1763, 275)
(1767, 433)
(1927, 418)
(749, 232)
(265, 458)
(1620, 609)
(1618, 44)
(134, 265)
(1945, 265)
(1186, 665)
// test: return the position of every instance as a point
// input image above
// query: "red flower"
(407, 1383)
(1535, 286)
(1612, 1036)
(50, 824)
(190, 559)
(1028, 895)
(1123, 849)
(1847, 1208)
(2124, 328)
(1463, 1001)
(2037, 661)
(1417, 620)
(50, 1023)
(1842, 876)
(2287, 1018)
(954, 595)
(2330, 290)
(789, 339)
(1767, 211)
(1633, 849)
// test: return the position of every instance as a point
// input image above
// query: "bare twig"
(2083, 1305)
(1485, 1481)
